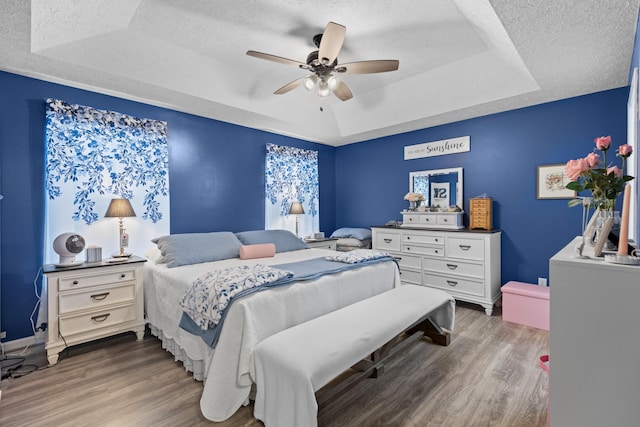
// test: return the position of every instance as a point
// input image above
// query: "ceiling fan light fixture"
(323, 89)
(309, 82)
(332, 82)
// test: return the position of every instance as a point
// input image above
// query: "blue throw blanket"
(294, 272)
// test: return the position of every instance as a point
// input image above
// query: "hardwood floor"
(487, 376)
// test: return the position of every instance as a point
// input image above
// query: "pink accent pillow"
(263, 250)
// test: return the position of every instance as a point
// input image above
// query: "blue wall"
(506, 149)
(216, 175)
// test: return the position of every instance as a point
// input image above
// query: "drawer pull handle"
(101, 318)
(122, 276)
(445, 220)
(436, 239)
(387, 240)
(408, 237)
(75, 282)
(100, 297)
(436, 251)
(398, 258)
(465, 247)
(452, 282)
(408, 248)
(452, 266)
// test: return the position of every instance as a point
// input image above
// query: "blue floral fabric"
(357, 256)
(210, 294)
(105, 152)
(292, 175)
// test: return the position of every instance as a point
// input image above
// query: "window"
(291, 175)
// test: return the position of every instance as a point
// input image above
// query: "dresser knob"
(75, 282)
(123, 275)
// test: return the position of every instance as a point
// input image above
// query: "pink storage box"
(526, 304)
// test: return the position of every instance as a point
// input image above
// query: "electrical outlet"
(542, 281)
(3, 335)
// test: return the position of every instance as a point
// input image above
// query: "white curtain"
(291, 176)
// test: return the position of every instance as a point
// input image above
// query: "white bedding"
(229, 371)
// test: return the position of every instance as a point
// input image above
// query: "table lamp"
(296, 209)
(120, 208)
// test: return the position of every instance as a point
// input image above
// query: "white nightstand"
(94, 300)
(327, 243)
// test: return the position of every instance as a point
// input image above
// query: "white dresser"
(464, 263)
(594, 341)
(93, 300)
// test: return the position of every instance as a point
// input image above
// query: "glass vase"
(615, 228)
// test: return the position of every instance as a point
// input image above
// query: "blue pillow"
(356, 233)
(194, 248)
(284, 240)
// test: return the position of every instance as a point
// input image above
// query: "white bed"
(228, 371)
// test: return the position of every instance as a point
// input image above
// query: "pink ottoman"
(526, 304)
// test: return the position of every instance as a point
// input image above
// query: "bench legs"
(374, 366)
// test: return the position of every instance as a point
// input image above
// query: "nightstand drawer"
(86, 280)
(456, 284)
(70, 325)
(74, 301)
(423, 250)
(454, 267)
(465, 248)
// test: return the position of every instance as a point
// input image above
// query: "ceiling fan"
(324, 67)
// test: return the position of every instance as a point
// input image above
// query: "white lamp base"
(120, 255)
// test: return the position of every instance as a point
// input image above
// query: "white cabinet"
(93, 300)
(594, 341)
(464, 263)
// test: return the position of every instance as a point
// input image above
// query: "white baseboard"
(19, 344)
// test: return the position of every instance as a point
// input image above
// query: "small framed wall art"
(551, 183)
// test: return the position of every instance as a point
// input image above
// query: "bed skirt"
(196, 367)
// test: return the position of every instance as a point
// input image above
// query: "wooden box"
(480, 213)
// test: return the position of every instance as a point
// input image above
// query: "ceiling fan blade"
(275, 58)
(331, 42)
(342, 92)
(289, 86)
(367, 67)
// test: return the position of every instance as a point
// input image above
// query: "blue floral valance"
(105, 154)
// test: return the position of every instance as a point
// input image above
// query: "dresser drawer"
(408, 261)
(411, 219)
(83, 281)
(71, 301)
(70, 325)
(428, 219)
(465, 248)
(409, 276)
(456, 284)
(454, 267)
(423, 250)
(449, 220)
(429, 239)
(388, 242)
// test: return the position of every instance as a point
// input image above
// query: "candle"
(624, 224)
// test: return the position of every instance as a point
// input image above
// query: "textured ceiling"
(458, 59)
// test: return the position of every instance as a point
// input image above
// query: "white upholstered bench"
(292, 365)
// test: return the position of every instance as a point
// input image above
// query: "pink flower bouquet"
(605, 181)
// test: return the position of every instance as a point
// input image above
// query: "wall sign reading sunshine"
(438, 148)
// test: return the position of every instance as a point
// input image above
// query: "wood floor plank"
(487, 376)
